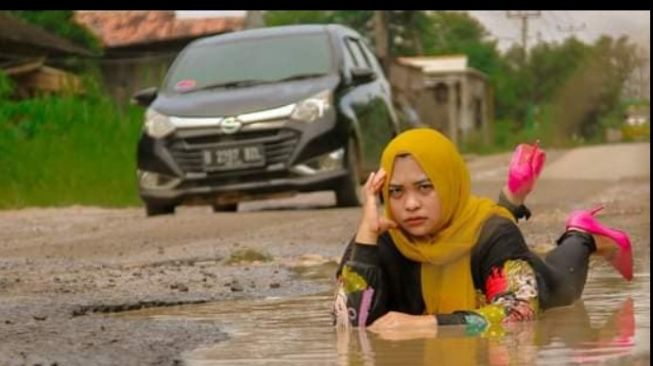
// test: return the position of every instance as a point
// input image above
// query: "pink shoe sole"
(622, 260)
(525, 167)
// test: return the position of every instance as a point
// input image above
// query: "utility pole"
(381, 38)
(524, 16)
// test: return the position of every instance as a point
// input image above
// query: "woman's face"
(413, 201)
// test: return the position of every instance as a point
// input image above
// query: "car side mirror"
(144, 97)
(362, 75)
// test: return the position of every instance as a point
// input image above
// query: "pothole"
(118, 308)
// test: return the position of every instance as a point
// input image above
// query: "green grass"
(67, 150)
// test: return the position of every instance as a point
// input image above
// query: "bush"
(637, 133)
(6, 86)
(64, 150)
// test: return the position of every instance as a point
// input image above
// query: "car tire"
(232, 207)
(348, 192)
(157, 210)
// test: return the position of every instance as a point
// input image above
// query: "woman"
(442, 256)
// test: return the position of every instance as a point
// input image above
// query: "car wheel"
(348, 192)
(156, 210)
(232, 207)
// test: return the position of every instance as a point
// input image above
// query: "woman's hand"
(397, 320)
(372, 223)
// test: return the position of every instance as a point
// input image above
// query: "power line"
(567, 15)
(524, 16)
(548, 28)
(556, 19)
(571, 29)
(569, 25)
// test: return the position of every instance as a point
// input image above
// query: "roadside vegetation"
(66, 150)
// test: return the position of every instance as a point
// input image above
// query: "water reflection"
(562, 336)
(298, 331)
(610, 325)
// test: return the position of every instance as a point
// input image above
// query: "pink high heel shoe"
(622, 259)
(525, 167)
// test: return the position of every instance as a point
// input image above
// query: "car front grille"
(187, 150)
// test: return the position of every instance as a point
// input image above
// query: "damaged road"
(63, 271)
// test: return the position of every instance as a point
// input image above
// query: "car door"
(370, 108)
(385, 90)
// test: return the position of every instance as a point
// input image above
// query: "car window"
(349, 58)
(265, 59)
(372, 58)
(359, 58)
(366, 60)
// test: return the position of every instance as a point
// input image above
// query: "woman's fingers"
(372, 221)
(374, 183)
(368, 182)
(368, 188)
(379, 179)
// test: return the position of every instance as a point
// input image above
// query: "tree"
(593, 89)
(551, 65)
(62, 23)
(512, 85)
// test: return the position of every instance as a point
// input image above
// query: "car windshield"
(250, 62)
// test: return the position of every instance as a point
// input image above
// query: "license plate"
(231, 158)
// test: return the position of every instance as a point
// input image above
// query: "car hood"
(229, 102)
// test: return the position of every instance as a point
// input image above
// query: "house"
(139, 46)
(443, 92)
(29, 56)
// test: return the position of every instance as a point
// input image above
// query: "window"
(372, 58)
(360, 60)
(350, 63)
(267, 59)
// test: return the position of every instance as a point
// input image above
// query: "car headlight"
(157, 125)
(310, 109)
(153, 180)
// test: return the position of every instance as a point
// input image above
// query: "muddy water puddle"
(611, 325)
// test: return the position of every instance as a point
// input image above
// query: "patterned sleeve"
(510, 295)
(361, 293)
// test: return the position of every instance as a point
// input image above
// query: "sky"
(548, 26)
(558, 25)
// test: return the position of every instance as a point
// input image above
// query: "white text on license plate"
(232, 158)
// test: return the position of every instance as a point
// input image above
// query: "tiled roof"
(123, 28)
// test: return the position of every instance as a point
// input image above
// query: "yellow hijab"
(447, 283)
